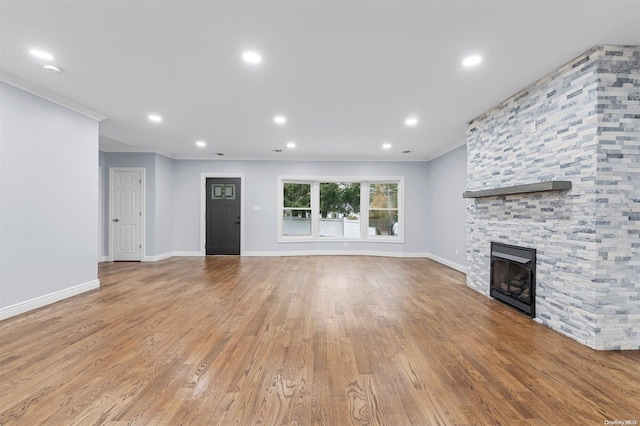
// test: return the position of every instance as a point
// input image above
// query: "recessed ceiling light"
(279, 119)
(155, 118)
(201, 144)
(291, 144)
(386, 146)
(220, 154)
(277, 150)
(406, 151)
(51, 68)
(471, 61)
(252, 57)
(411, 121)
(41, 54)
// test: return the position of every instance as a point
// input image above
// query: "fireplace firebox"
(513, 276)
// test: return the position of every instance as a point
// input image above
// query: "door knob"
(116, 220)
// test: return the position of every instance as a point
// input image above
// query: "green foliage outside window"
(334, 201)
(339, 198)
(383, 207)
(383, 195)
(297, 195)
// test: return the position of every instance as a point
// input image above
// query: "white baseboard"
(450, 264)
(164, 256)
(186, 253)
(332, 253)
(103, 259)
(433, 257)
(38, 302)
(158, 257)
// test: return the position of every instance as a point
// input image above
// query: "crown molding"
(297, 159)
(28, 87)
(134, 150)
(448, 149)
(302, 159)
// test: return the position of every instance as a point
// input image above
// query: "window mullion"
(364, 210)
(280, 215)
(315, 210)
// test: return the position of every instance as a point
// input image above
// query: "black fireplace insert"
(513, 276)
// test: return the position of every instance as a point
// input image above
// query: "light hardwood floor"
(300, 340)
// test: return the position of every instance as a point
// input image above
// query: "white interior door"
(126, 220)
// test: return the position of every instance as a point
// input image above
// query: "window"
(339, 209)
(225, 190)
(296, 210)
(383, 208)
(332, 209)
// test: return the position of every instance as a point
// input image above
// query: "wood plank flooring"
(300, 341)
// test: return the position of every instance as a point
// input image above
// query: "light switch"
(257, 208)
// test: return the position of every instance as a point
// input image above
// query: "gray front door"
(223, 216)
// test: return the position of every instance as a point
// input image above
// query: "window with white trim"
(331, 208)
(383, 208)
(296, 211)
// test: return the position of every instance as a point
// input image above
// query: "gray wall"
(435, 210)
(261, 190)
(446, 209)
(103, 195)
(48, 198)
(158, 198)
(148, 161)
(163, 243)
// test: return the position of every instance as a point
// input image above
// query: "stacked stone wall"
(617, 280)
(553, 130)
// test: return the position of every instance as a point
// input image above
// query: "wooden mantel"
(551, 185)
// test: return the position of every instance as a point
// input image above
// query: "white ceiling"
(346, 74)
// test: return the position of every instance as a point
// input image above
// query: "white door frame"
(203, 208)
(143, 173)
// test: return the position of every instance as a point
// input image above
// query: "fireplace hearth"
(513, 276)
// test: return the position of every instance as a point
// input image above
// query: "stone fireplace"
(580, 124)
